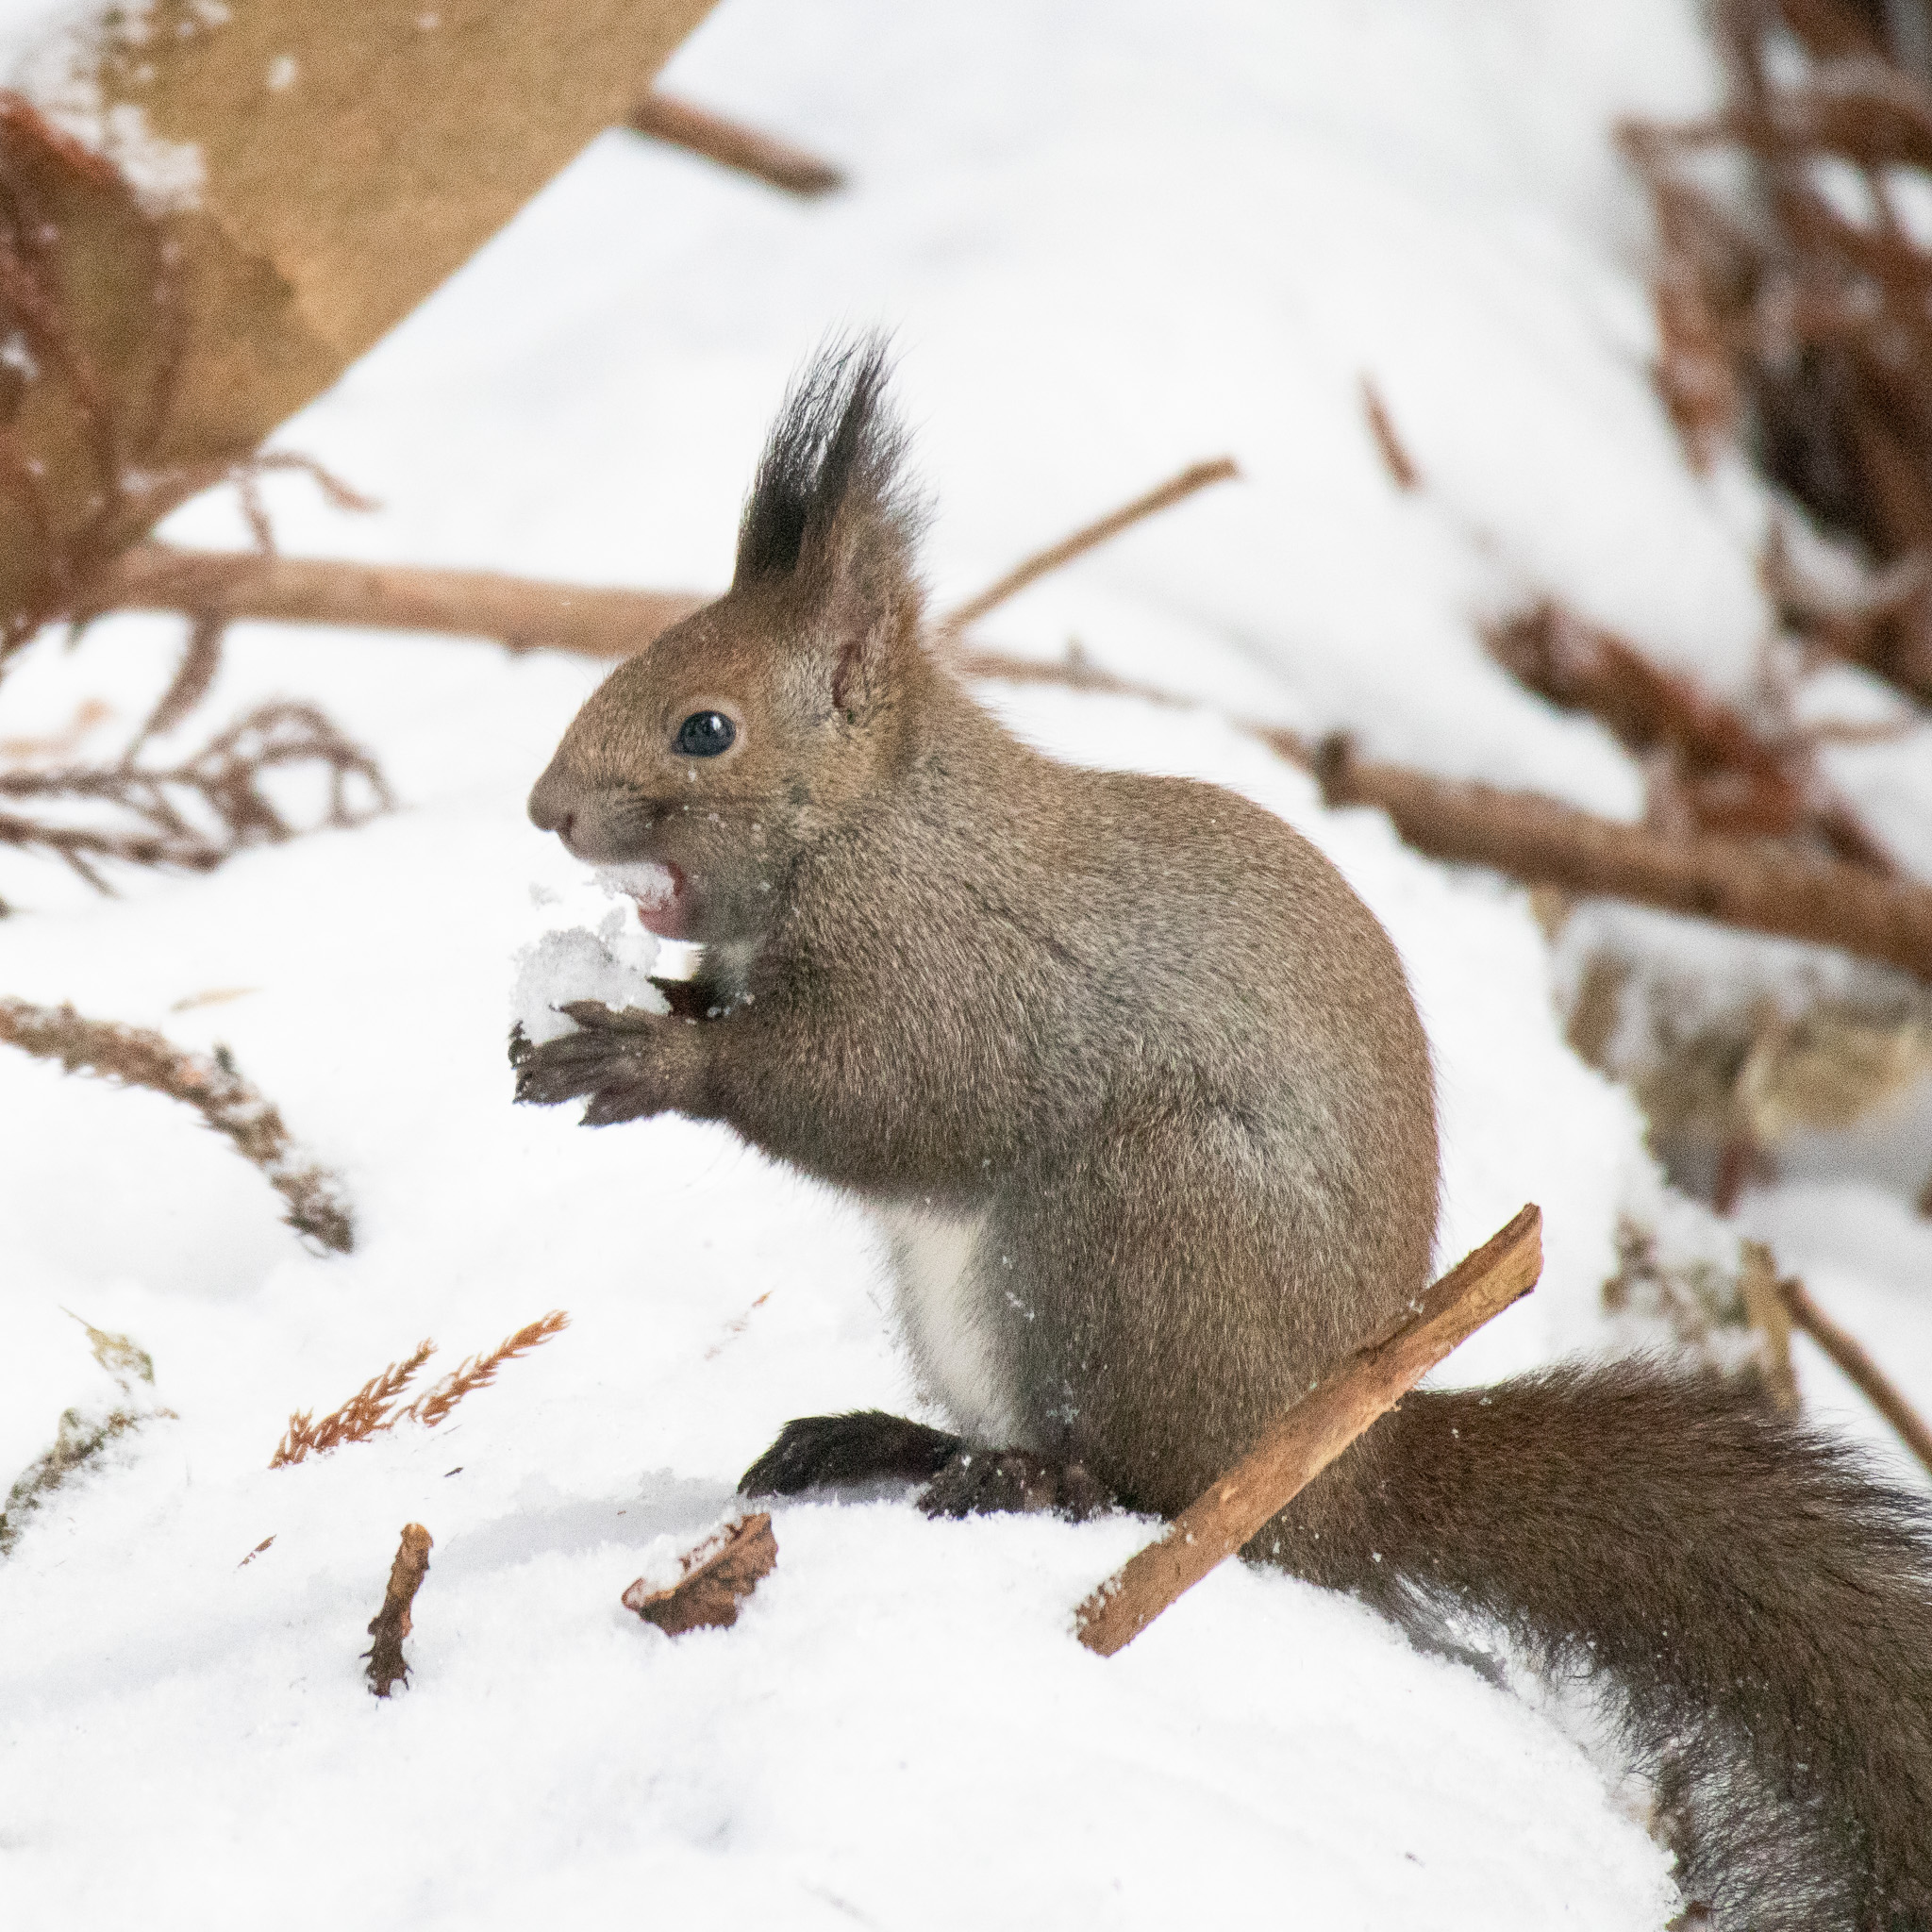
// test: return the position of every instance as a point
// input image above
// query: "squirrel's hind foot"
(815, 1451)
(995, 1482)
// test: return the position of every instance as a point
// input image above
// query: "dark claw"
(566, 1068)
(992, 1482)
(595, 1016)
(609, 1106)
(816, 1450)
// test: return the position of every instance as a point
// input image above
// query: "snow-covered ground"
(1111, 240)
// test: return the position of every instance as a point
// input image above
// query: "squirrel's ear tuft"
(829, 514)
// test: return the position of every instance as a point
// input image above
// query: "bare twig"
(1303, 1442)
(1850, 1355)
(1710, 768)
(135, 1056)
(731, 144)
(1768, 1312)
(193, 815)
(717, 1576)
(1389, 447)
(1791, 319)
(1542, 842)
(1196, 476)
(520, 612)
(391, 1623)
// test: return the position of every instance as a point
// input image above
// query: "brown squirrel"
(1135, 1084)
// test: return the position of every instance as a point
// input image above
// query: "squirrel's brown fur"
(1135, 1084)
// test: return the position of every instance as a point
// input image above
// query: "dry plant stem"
(1313, 1434)
(477, 1372)
(520, 612)
(135, 1056)
(1766, 1311)
(1850, 1355)
(1542, 842)
(731, 144)
(1196, 476)
(1389, 447)
(377, 1405)
(390, 1625)
(358, 1419)
(196, 814)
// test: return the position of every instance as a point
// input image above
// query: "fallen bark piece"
(520, 612)
(1878, 1388)
(1297, 1447)
(731, 144)
(1542, 842)
(390, 1625)
(719, 1574)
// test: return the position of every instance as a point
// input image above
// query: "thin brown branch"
(134, 1056)
(1296, 1448)
(1768, 1311)
(523, 613)
(1389, 447)
(1710, 768)
(196, 814)
(731, 144)
(1850, 1355)
(1196, 476)
(1540, 840)
(391, 1623)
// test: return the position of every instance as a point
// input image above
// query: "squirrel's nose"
(553, 804)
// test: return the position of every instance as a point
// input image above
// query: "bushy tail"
(1763, 1605)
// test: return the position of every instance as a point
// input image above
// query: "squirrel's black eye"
(705, 734)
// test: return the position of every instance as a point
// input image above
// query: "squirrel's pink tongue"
(657, 892)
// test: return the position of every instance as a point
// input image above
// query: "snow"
(595, 951)
(1111, 242)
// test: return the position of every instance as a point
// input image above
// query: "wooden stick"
(1303, 1442)
(391, 1623)
(1196, 476)
(1850, 1355)
(520, 612)
(731, 144)
(1542, 842)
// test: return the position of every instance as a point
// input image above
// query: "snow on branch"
(213, 1086)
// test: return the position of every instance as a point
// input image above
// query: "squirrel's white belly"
(948, 1318)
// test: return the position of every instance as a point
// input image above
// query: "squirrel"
(1134, 1084)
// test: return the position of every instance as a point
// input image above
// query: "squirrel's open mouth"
(657, 890)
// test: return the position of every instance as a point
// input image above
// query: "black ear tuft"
(830, 472)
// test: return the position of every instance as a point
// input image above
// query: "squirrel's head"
(700, 769)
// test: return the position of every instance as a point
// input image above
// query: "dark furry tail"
(1762, 1605)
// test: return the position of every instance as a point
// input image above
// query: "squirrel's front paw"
(619, 1062)
(992, 1482)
